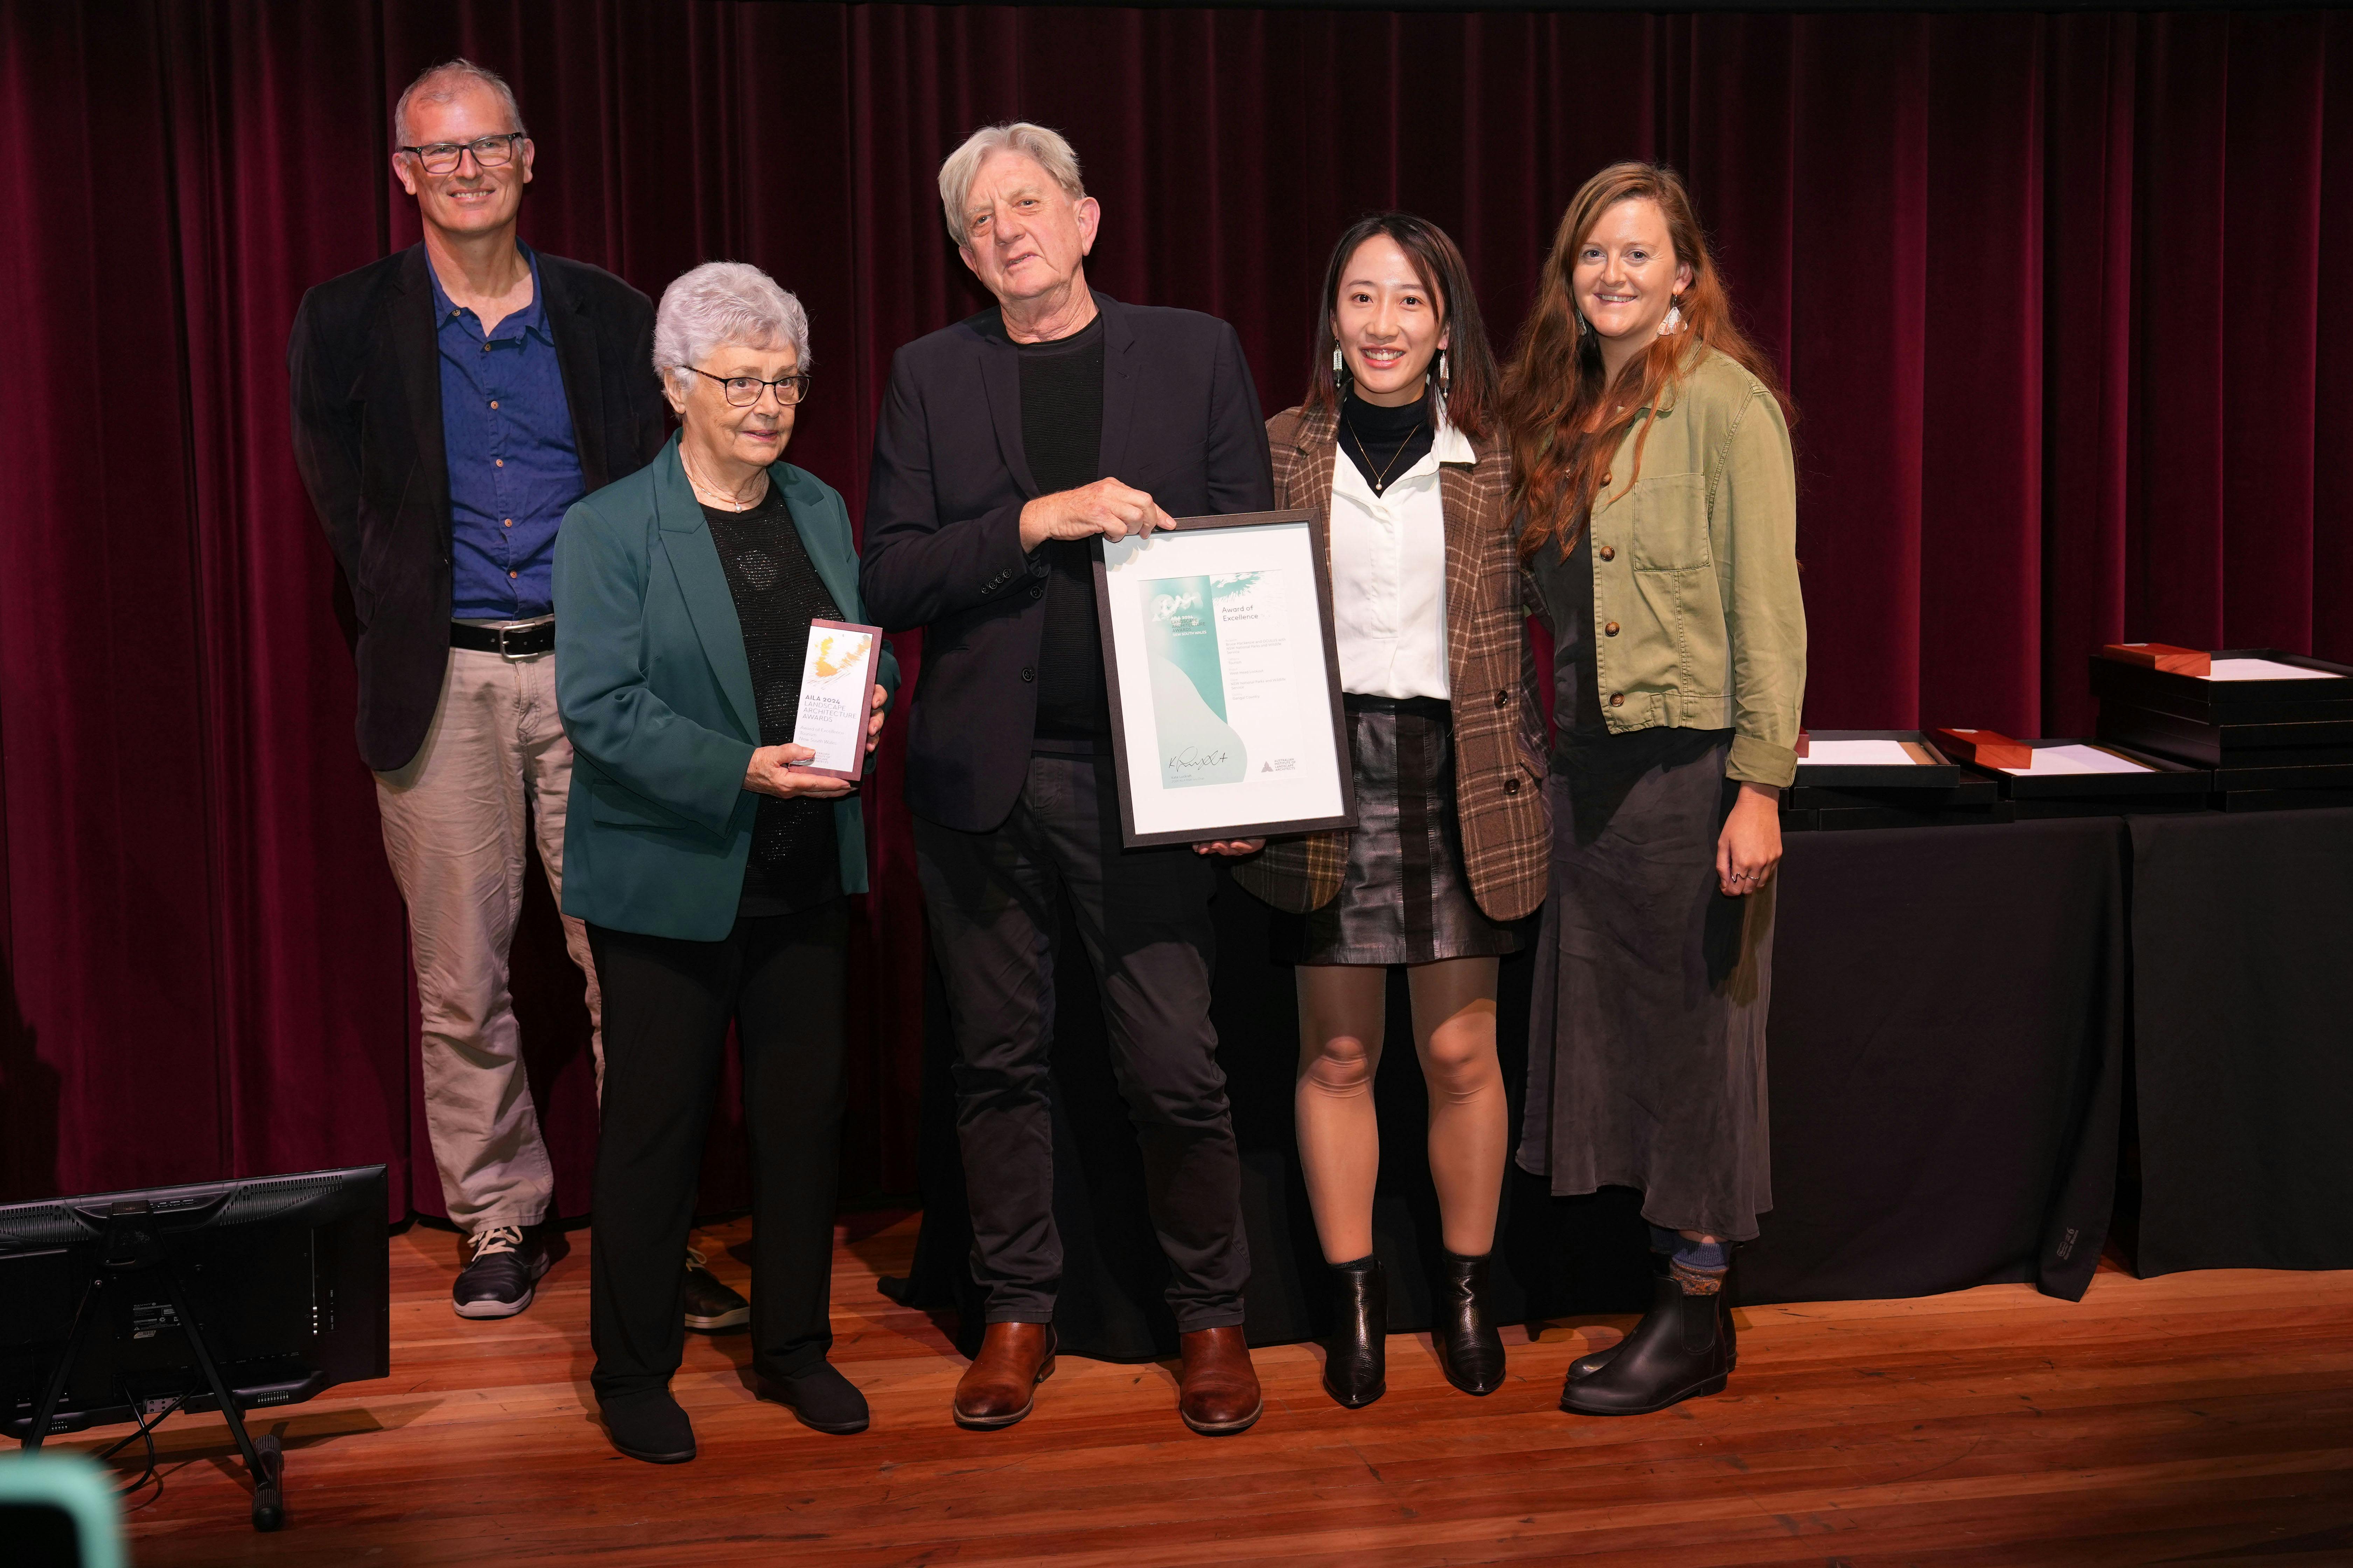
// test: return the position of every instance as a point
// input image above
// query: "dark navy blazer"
(943, 520)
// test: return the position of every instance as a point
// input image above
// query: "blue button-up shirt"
(514, 464)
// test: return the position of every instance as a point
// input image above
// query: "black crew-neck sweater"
(1062, 434)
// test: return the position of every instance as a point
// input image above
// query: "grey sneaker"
(710, 1305)
(498, 1283)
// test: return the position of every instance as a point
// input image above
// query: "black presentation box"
(2273, 740)
(2223, 703)
(1828, 797)
(2167, 786)
(2223, 745)
(2279, 799)
(1935, 772)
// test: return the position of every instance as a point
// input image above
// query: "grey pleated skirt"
(1646, 1039)
(1404, 897)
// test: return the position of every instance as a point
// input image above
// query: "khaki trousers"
(494, 773)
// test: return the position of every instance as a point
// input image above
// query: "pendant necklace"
(703, 489)
(1380, 479)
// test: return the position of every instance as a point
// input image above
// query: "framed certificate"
(837, 675)
(1225, 681)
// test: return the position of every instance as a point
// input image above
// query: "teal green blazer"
(657, 696)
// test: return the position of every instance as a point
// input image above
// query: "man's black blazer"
(365, 368)
(942, 548)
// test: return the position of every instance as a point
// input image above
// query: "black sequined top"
(796, 859)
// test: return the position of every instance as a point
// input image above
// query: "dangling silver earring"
(1442, 375)
(1338, 364)
(1674, 321)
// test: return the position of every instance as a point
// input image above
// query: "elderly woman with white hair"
(712, 869)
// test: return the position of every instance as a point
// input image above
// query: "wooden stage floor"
(2198, 1418)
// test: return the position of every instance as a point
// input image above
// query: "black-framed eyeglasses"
(743, 391)
(490, 152)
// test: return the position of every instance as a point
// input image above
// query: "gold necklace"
(703, 490)
(1381, 479)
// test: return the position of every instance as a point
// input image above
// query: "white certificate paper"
(2265, 669)
(1227, 708)
(2051, 761)
(837, 690)
(1858, 753)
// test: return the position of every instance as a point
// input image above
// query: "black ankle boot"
(1468, 1346)
(1679, 1350)
(1594, 1361)
(1356, 1359)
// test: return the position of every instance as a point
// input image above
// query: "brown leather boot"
(1000, 1385)
(1218, 1391)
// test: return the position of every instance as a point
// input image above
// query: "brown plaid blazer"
(1499, 731)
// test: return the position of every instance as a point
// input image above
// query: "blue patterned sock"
(1699, 1265)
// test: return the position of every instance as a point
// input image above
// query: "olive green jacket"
(1698, 622)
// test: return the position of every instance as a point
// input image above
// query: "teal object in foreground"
(73, 1487)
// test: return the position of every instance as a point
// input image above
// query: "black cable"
(145, 1433)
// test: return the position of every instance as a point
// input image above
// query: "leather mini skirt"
(1404, 897)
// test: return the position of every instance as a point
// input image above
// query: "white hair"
(442, 83)
(1045, 147)
(720, 304)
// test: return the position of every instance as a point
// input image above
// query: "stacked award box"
(2272, 729)
(1885, 778)
(2076, 778)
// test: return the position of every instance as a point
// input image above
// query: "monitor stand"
(133, 1248)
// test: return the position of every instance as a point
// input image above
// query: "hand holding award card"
(837, 675)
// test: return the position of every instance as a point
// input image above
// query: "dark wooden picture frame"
(1320, 564)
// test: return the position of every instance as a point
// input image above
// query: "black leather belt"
(512, 642)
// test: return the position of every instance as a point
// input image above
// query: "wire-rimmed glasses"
(743, 391)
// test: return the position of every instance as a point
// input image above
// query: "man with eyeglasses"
(450, 402)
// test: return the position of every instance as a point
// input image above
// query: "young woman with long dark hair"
(1657, 489)
(1398, 445)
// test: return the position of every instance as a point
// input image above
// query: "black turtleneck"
(1384, 443)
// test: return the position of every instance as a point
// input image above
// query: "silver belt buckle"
(505, 631)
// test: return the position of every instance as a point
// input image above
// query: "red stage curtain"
(2058, 297)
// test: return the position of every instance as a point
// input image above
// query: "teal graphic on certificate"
(1198, 746)
(1223, 699)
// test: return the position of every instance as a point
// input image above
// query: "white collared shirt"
(1389, 573)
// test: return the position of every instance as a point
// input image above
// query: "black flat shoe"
(1356, 1356)
(1678, 1351)
(821, 1399)
(1468, 1348)
(649, 1426)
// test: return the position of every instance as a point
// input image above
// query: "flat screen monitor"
(287, 1278)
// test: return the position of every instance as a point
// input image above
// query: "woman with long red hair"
(1659, 506)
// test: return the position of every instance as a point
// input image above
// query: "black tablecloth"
(2243, 937)
(1946, 1052)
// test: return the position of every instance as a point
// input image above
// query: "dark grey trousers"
(1143, 919)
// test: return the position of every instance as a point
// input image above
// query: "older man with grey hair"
(1007, 445)
(450, 402)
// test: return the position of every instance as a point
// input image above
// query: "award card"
(837, 675)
